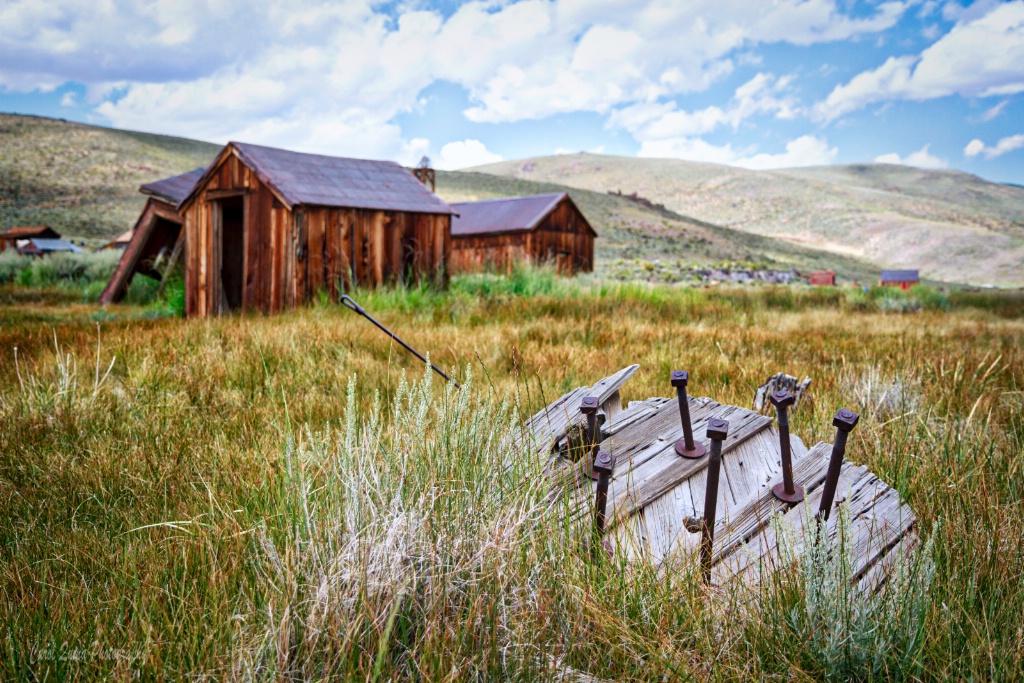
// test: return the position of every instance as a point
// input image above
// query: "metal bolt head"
(845, 420)
(717, 429)
(604, 462)
(589, 405)
(680, 378)
(782, 399)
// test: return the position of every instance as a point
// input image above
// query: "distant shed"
(903, 279)
(496, 233)
(823, 278)
(265, 228)
(41, 246)
(119, 242)
(155, 242)
(11, 238)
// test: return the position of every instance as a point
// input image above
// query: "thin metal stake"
(844, 422)
(685, 447)
(589, 406)
(718, 429)
(604, 464)
(349, 303)
(787, 491)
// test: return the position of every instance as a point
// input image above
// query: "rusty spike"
(685, 447)
(787, 491)
(718, 430)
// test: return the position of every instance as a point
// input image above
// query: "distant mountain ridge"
(952, 226)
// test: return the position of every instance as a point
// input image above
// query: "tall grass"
(227, 502)
(84, 273)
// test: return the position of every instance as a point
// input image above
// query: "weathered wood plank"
(549, 425)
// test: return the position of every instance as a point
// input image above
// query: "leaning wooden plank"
(808, 472)
(659, 469)
(905, 551)
(760, 551)
(646, 438)
(634, 412)
(552, 423)
(172, 262)
(664, 470)
(879, 529)
(855, 491)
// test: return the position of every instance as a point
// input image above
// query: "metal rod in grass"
(349, 303)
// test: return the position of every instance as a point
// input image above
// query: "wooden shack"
(266, 228)
(119, 242)
(904, 279)
(822, 278)
(11, 238)
(156, 240)
(545, 228)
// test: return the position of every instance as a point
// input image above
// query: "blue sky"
(753, 84)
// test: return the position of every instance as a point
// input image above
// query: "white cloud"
(689, 149)
(979, 57)
(763, 94)
(922, 158)
(69, 100)
(332, 77)
(995, 111)
(465, 153)
(806, 150)
(1007, 144)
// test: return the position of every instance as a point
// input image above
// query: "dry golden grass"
(212, 507)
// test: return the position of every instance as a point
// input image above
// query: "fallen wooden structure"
(656, 501)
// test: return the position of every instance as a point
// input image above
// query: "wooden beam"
(172, 261)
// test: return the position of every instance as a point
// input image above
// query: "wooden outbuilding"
(904, 279)
(156, 240)
(265, 229)
(545, 228)
(119, 242)
(36, 240)
(823, 278)
(11, 238)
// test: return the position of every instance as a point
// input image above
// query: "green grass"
(269, 498)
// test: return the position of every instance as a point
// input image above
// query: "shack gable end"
(488, 236)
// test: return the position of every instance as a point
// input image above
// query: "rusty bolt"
(717, 429)
(588, 405)
(845, 420)
(604, 463)
(782, 399)
(680, 378)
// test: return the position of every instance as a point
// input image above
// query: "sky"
(753, 83)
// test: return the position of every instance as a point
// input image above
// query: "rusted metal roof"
(44, 245)
(900, 276)
(317, 180)
(173, 189)
(28, 232)
(510, 214)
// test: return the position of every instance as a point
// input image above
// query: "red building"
(904, 279)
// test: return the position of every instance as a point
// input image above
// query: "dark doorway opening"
(232, 250)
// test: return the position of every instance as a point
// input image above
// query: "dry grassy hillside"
(951, 225)
(83, 180)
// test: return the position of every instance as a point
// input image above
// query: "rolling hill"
(83, 180)
(954, 226)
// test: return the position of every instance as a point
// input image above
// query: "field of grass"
(286, 498)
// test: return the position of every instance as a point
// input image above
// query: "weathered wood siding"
(563, 238)
(290, 254)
